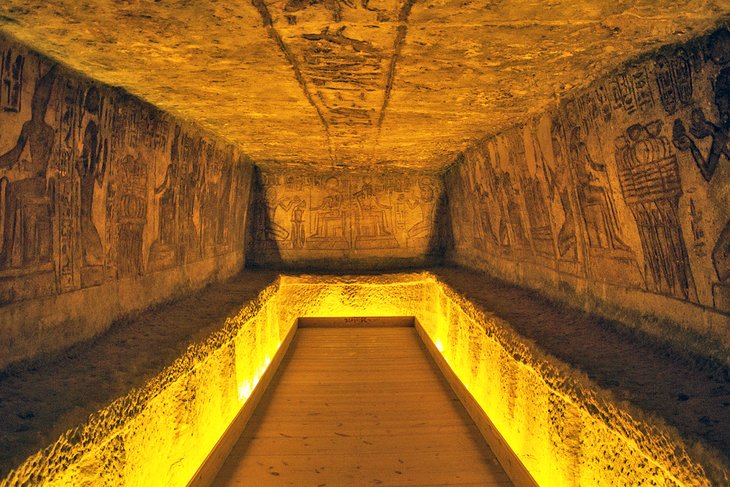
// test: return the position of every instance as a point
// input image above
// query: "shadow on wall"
(260, 218)
(442, 238)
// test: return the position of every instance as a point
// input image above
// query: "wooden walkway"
(357, 407)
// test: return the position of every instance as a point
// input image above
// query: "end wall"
(107, 205)
(348, 219)
(617, 199)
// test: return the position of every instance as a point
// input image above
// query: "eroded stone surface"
(44, 400)
(397, 83)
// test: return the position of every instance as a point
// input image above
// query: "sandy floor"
(693, 398)
(41, 401)
(38, 403)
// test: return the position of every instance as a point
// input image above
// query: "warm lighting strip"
(561, 427)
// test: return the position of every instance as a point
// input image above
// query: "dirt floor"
(39, 401)
(690, 395)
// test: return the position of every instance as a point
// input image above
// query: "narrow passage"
(360, 406)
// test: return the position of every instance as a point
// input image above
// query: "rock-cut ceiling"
(392, 83)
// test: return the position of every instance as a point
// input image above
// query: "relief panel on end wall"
(343, 215)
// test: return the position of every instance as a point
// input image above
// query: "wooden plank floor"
(360, 406)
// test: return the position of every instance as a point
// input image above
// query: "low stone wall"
(563, 428)
(161, 433)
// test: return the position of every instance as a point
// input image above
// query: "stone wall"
(620, 196)
(341, 218)
(107, 205)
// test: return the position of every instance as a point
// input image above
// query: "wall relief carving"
(82, 200)
(625, 183)
(344, 215)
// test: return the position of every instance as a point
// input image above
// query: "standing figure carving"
(559, 182)
(297, 222)
(651, 186)
(163, 252)
(90, 167)
(599, 214)
(426, 202)
(719, 132)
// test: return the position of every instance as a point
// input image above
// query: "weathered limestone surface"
(346, 218)
(107, 205)
(45, 400)
(622, 193)
(387, 82)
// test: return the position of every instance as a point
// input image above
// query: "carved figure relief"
(372, 226)
(11, 80)
(75, 187)
(276, 231)
(26, 186)
(651, 186)
(480, 178)
(560, 182)
(130, 202)
(701, 128)
(91, 168)
(333, 214)
(162, 248)
(426, 203)
(536, 201)
(178, 196)
(565, 198)
(511, 194)
(596, 204)
(298, 237)
(330, 219)
(224, 195)
(483, 219)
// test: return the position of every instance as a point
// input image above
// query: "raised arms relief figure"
(701, 128)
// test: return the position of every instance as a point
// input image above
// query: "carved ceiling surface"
(393, 83)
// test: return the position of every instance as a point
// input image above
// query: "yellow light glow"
(244, 391)
(562, 428)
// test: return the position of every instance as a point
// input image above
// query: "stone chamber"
(375, 242)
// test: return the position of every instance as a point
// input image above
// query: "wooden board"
(215, 459)
(360, 406)
(356, 321)
(512, 465)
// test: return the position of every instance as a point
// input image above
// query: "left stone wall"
(107, 205)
